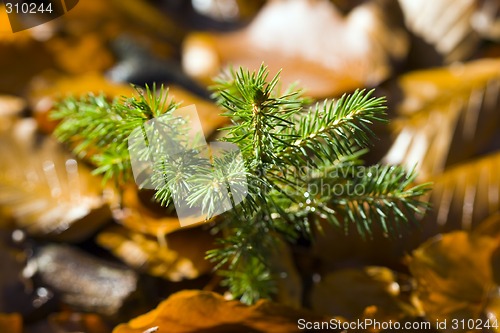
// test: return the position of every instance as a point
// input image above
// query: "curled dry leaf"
(486, 21)
(176, 256)
(145, 217)
(84, 282)
(11, 105)
(489, 227)
(447, 116)
(17, 50)
(454, 277)
(453, 27)
(6, 35)
(85, 54)
(201, 311)
(360, 292)
(327, 52)
(465, 195)
(116, 17)
(45, 190)
(12, 323)
(10, 109)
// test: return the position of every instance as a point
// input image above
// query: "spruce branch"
(300, 164)
(95, 126)
(336, 128)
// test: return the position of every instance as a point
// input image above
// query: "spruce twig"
(302, 165)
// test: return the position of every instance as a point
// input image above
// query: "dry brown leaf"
(334, 248)
(451, 26)
(486, 21)
(447, 116)
(465, 195)
(311, 40)
(143, 215)
(489, 227)
(17, 53)
(350, 292)
(81, 55)
(149, 19)
(10, 110)
(11, 105)
(176, 256)
(116, 17)
(201, 311)
(11, 323)
(45, 190)
(454, 276)
(20, 38)
(60, 86)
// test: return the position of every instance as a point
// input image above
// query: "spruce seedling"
(302, 165)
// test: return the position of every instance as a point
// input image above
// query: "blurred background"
(73, 260)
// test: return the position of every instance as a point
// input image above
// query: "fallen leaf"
(201, 311)
(490, 227)
(350, 292)
(465, 195)
(12, 323)
(448, 115)
(45, 190)
(10, 110)
(311, 40)
(16, 52)
(11, 105)
(176, 256)
(113, 18)
(84, 54)
(486, 21)
(142, 214)
(454, 276)
(452, 27)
